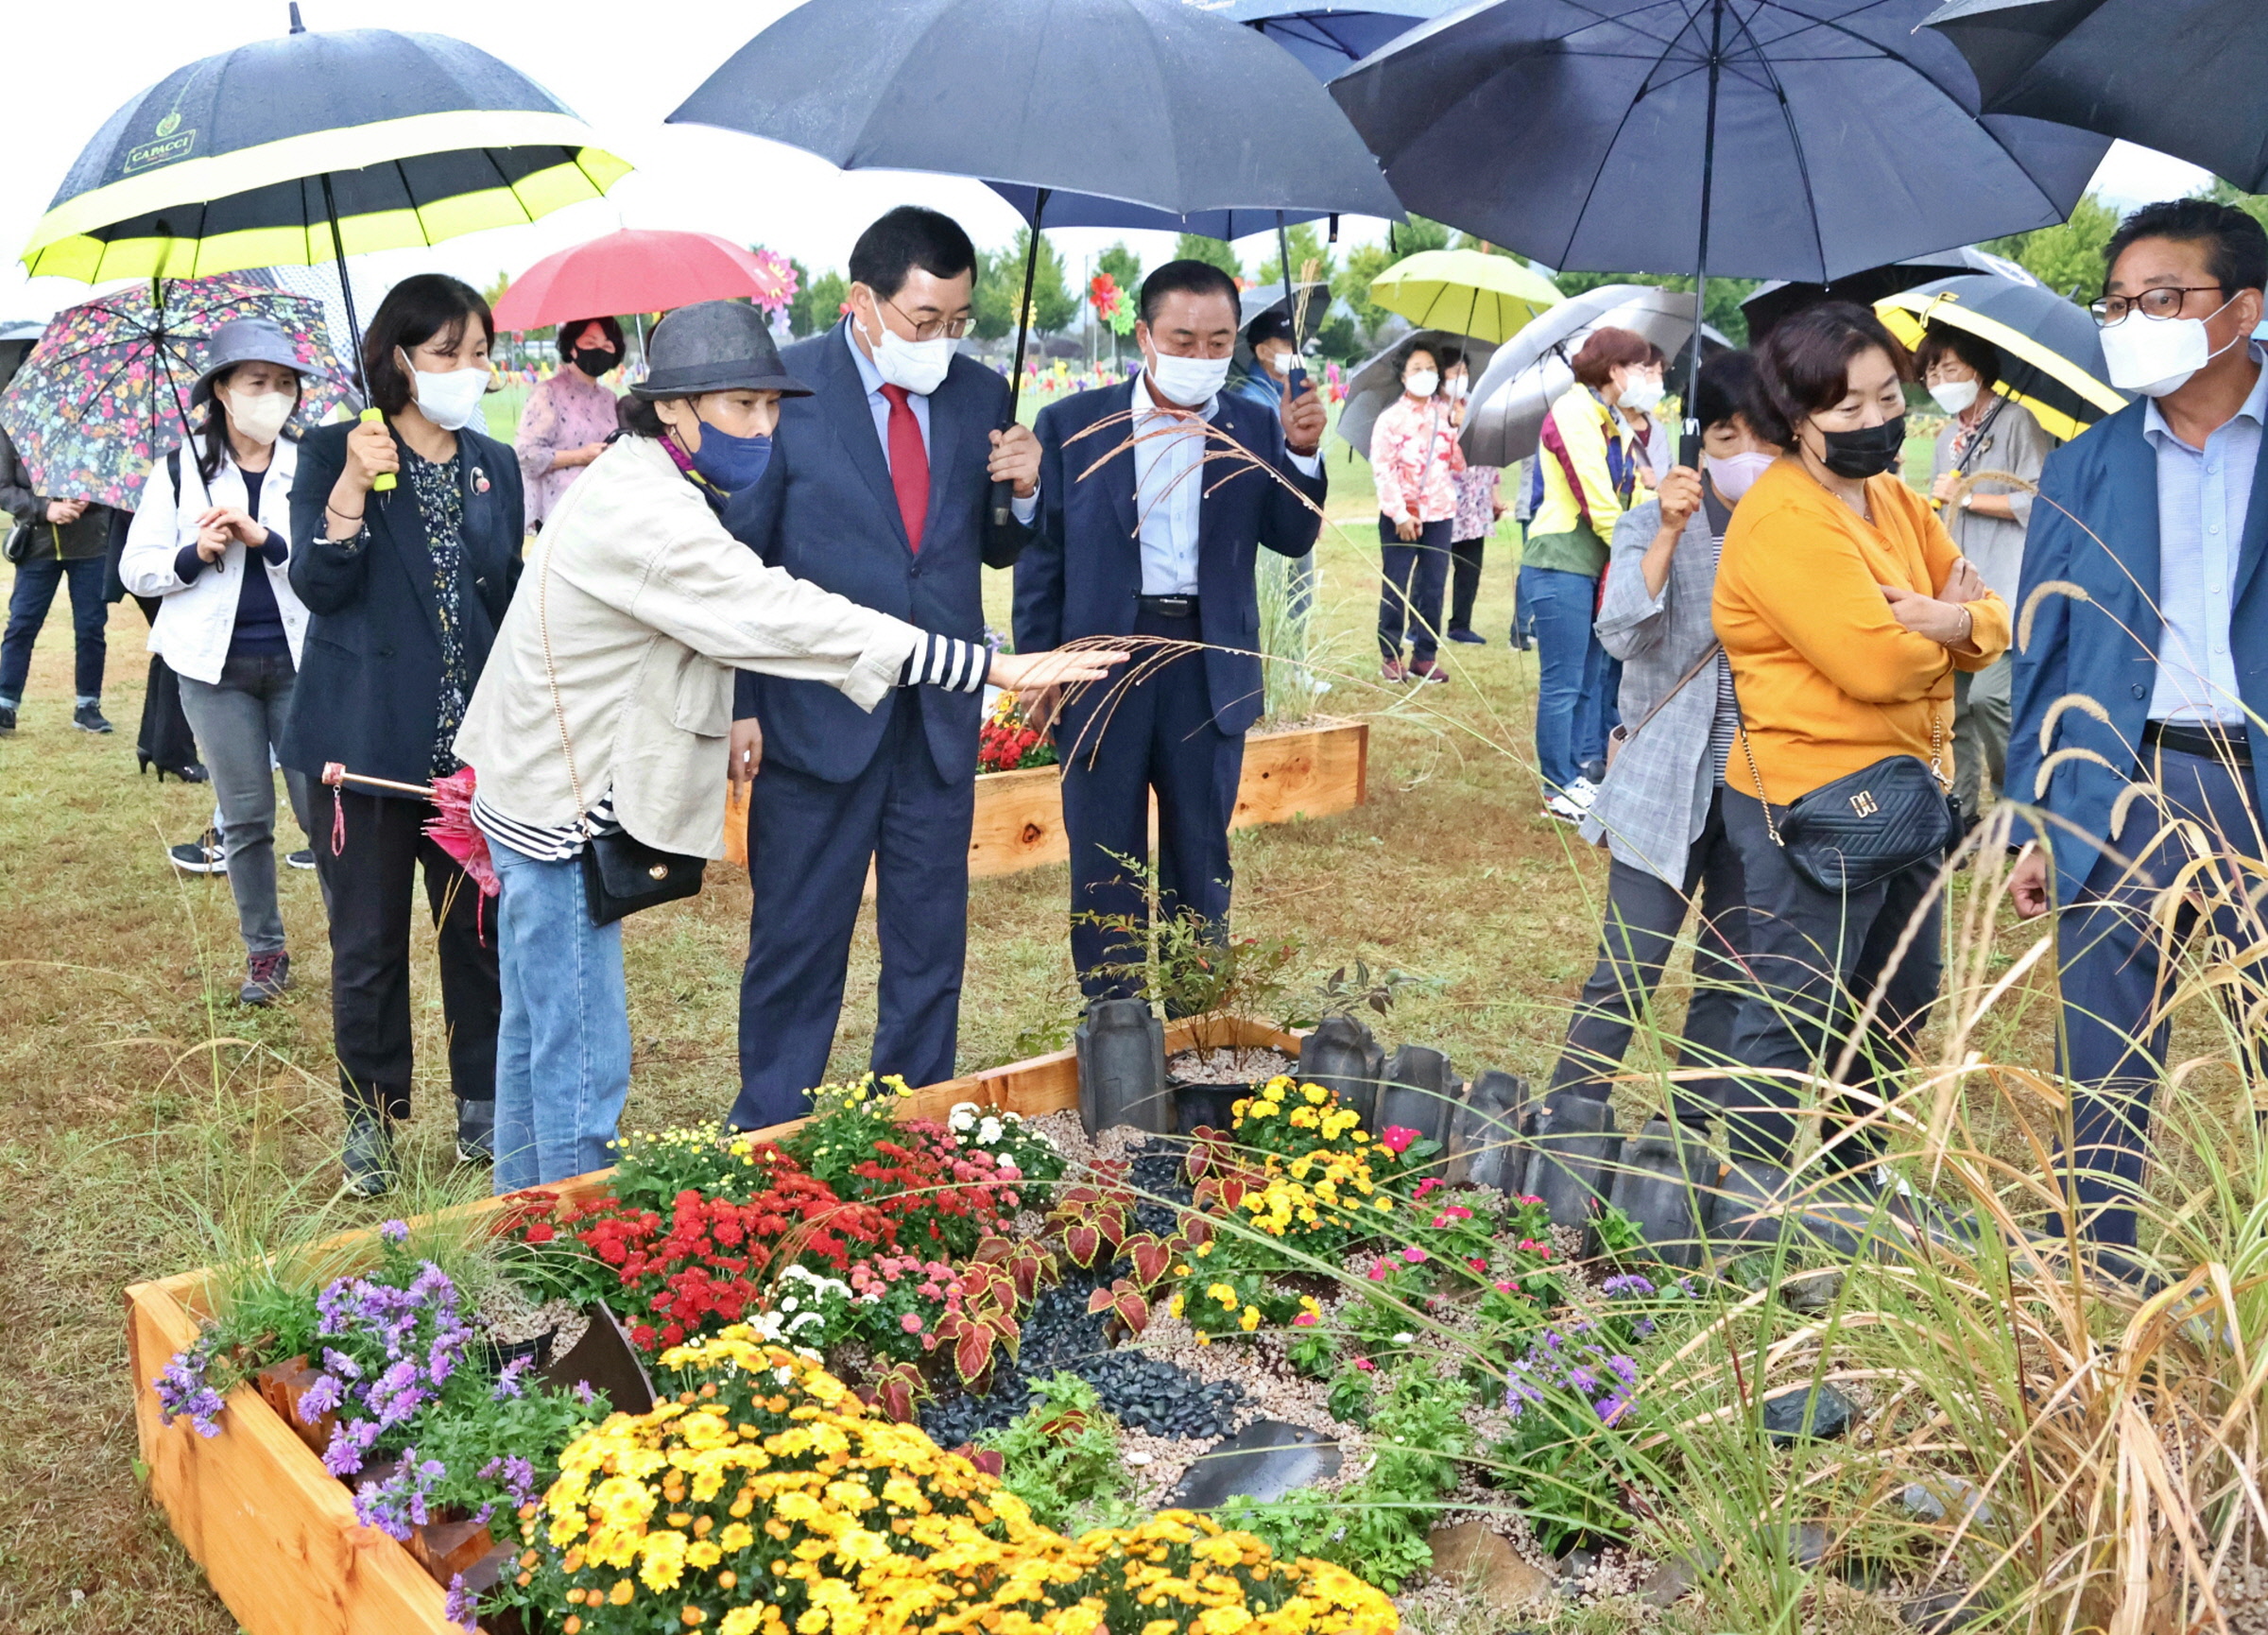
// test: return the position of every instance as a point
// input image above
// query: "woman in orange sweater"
(1844, 609)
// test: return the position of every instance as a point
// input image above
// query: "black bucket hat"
(715, 346)
(244, 340)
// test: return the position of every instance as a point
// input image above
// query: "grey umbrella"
(1770, 304)
(2183, 77)
(1534, 368)
(1129, 99)
(1761, 138)
(1377, 382)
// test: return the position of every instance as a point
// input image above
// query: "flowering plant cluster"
(1008, 743)
(941, 1197)
(1037, 1163)
(1572, 1397)
(764, 1499)
(652, 1167)
(847, 1122)
(902, 1299)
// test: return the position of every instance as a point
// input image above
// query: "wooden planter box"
(275, 1534)
(1306, 772)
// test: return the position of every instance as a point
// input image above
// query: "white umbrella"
(1532, 369)
(1378, 382)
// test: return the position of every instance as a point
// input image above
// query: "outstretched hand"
(1024, 672)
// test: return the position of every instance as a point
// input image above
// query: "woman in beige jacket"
(606, 705)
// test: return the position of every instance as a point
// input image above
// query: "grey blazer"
(1656, 795)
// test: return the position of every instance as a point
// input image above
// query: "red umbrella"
(642, 271)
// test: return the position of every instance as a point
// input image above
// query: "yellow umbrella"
(1490, 297)
(2050, 355)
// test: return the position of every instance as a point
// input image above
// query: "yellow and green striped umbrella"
(1491, 298)
(249, 158)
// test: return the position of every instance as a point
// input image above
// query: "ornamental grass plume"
(764, 1498)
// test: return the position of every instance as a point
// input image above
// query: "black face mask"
(594, 361)
(1868, 452)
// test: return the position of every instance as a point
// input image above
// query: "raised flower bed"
(275, 1532)
(1306, 772)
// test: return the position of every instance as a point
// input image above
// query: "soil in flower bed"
(1251, 1064)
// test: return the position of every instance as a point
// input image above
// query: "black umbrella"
(1126, 99)
(1802, 138)
(2050, 350)
(311, 148)
(1327, 38)
(1781, 299)
(2183, 77)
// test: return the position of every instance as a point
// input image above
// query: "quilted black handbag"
(1866, 825)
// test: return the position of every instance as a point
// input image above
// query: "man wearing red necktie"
(879, 489)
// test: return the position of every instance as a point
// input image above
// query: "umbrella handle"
(383, 480)
(335, 774)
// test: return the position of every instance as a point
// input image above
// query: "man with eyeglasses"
(2146, 668)
(878, 488)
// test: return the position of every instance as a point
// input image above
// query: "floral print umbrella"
(104, 395)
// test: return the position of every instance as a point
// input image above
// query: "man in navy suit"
(2148, 666)
(1162, 541)
(879, 489)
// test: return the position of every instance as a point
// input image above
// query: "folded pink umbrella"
(452, 828)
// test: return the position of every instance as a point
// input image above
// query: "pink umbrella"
(452, 828)
(642, 271)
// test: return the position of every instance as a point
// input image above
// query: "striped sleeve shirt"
(945, 661)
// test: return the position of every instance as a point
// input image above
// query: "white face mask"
(2156, 356)
(1955, 396)
(260, 415)
(1421, 384)
(1643, 394)
(1192, 381)
(1457, 388)
(451, 399)
(1280, 364)
(915, 366)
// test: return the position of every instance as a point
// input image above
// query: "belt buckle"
(1175, 607)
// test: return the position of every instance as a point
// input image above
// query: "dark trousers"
(37, 581)
(1158, 735)
(1409, 603)
(1465, 581)
(2118, 976)
(1815, 960)
(1645, 914)
(369, 885)
(809, 845)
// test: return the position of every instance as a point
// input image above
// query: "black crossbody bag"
(1866, 825)
(622, 874)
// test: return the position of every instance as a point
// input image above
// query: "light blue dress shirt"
(879, 406)
(1169, 489)
(2203, 498)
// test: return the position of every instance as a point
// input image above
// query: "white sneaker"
(1582, 792)
(1562, 808)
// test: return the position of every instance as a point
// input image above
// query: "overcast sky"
(76, 62)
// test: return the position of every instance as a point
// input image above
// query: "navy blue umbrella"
(1797, 138)
(2184, 76)
(1143, 101)
(1770, 304)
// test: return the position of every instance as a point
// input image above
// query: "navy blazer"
(825, 511)
(1082, 576)
(370, 668)
(2101, 645)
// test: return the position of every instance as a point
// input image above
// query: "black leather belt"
(2214, 742)
(1170, 607)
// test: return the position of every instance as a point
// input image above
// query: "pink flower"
(1378, 1271)
(1397, 1139)
(1304, 1320)
(911, 1322)
(1506, 1288)
(1428, 1184)
(1478, 1263)
(1365, 1363)
(1412, 1254)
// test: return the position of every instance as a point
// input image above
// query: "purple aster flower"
(182, 1391)
(462, 1606)
(508, 1379)
(1612, 1406)
(395, 1231)
(1624, 1369)
(338, 1363)
(585, 1395)
(1628, 1283)
(322, 1397)
(349, 1446)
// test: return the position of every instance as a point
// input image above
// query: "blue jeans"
(37, 581)
(1570, 671)
(563, 1044)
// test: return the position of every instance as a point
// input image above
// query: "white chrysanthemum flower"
(988, 1133)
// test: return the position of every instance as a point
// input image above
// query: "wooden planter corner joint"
(1306, 772)
(275, 1533)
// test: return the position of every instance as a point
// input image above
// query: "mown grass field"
(139, 1104)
